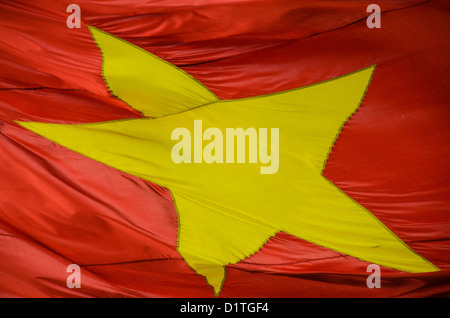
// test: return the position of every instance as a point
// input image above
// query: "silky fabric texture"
(58, 207)
(222, 222)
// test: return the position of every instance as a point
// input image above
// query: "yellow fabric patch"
(144, 81)
(227, 211)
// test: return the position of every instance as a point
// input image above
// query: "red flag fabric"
(58, 207)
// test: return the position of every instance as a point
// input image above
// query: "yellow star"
(233, 194)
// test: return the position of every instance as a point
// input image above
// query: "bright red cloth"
(58, 207)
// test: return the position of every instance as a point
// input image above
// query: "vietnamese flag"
(370, 105)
